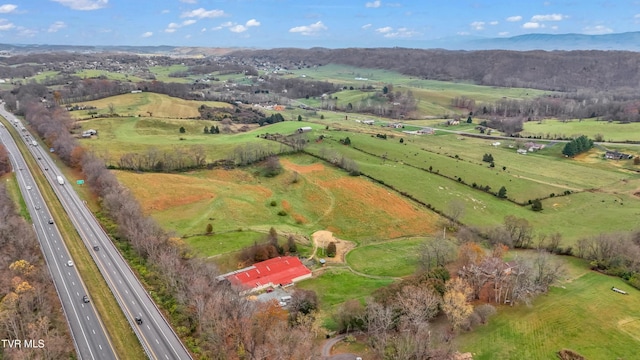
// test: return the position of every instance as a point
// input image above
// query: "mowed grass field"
(613, 131)
(582, 314)
(140, 104)
(602, 191)
(396, 258)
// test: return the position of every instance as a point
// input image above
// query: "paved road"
(90, 338)
(155, 334)
(329, 344)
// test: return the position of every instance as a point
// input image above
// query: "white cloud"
(392, 33)
(203, 30)
(515, 18)
(201, 13)
(637, 16)
(548, 17)
(384, 30)
(503, 33)
(165, 11)
(238, 28)
(83, 4)
(597, 30)
(147, 34)
(189, 22)
(226, 24)
(26, 32)
(189, 1)
(312, 29)
(366, 26)
(6, 25)
(373, 4)
(172, 27)
(7, 8)
(493, 23)
(252, 22)
(477, 25)
(56, 26)
(531, 25)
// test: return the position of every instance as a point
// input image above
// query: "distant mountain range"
(629, 41)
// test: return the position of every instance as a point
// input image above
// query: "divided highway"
(154, 332)
(90, 338)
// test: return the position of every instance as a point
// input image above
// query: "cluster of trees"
(492, 279)
(29, 306)
(577, 146)
(212, 130)
(5, 163)
(615, 254)
(177, 159)
(268, 249)
(237, 114)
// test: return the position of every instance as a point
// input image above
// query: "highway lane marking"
(94, 331)
(166, 356)
(157, 341)
(88, 318)
(74, 283)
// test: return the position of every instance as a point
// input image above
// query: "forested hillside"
(555, 70)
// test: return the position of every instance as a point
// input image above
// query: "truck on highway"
(60, 180)
(34, 143)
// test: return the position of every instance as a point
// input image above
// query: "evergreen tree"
(536, 205)
(570, 149)
(299, 117)
(502, 193)
(469, 120)
(182, 130)
(206, 130)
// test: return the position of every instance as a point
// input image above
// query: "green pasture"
(162, 73)
(92, 74)
(574, 216)
(44, 76)
(117, 136)
(395, 258)
(583, 315)
(225, 242)
(337, 284)
(610, 131)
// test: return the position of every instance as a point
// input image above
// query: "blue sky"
(302, 23)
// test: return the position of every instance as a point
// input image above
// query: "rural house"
(281, 271)
(616, 155)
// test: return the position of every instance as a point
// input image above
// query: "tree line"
(29, 305)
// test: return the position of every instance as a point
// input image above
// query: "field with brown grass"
(306, 197)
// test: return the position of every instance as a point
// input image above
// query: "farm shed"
(304, 129)
(616, 155)
(280, 271)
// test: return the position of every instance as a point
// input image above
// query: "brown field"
(323, 198)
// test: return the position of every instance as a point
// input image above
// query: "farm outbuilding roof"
(280, 271)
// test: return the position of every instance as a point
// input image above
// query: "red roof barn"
(280, 271)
